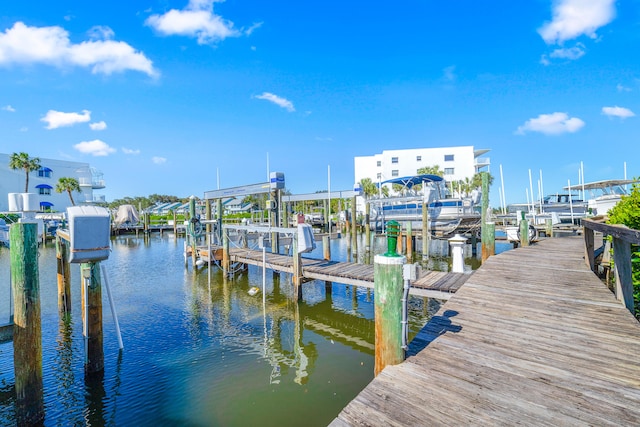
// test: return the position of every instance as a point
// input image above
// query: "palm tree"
(431, 170)
(26, 163)
(68, 184)
(368, 187)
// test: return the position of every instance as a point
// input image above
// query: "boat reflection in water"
(199, 350)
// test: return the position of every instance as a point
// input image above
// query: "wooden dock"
(432, 284)
(532, 338)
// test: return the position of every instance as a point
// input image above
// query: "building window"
(379, 163)
(448, 157)
(394, 160)
(394, 172)
(448, 171)
(44, 172)
(418, 158)
(44, 191)
(379, 177)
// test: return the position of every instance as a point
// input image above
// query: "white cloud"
(130, 151)
(95, 148)
(571, 53)
(551, 124)
(100, 32)
(22, 44)
(449, 73)
(574, 18)
(56, 119)
(9, 108)
(158, 160)
(196, 20)
(616, 111)
(101, 125)
(282, 102)
(622, 88)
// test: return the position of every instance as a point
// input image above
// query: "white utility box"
(89, 228)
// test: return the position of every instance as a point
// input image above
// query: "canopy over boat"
(599, 185)
(410, 181)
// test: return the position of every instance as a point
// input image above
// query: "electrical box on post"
(276, 180)
(89, 228)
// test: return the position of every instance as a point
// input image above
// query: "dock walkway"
(532, 338)
(432, 284)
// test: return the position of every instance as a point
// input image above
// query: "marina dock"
(432, 284)
(533, 337)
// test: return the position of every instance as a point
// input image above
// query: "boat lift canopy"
(410, 181)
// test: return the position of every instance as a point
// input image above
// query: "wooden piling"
(354, 237)
(388, 290)
(367, 229)
(27, 333)
(192, 231)
(225, 253)
(64, 276)
(524, 232)
(488, 230)
(175, 224)
(548, 227)
(425, 231)
(326, 247)
(296, 277)
(409, 242)
(92, 312)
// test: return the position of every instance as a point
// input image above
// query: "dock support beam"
(92, 317)
(225, 253)
(388, 288)
(367, 231)
(64, 276)
(488, 230)
(296, 277)
(326, 247)
(409, 242)
(354, 225)
(27, 332)
(425, 230)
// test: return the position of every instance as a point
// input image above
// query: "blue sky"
(164, 96)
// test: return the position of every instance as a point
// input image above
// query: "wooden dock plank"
(533, 337)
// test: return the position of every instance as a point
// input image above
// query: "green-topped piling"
(388, 290)
(27, 332)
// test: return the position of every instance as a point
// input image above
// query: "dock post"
(219, 218)
(524, 232)
(623, 273)
(207, 215)
(548, 227)
(388, 293)
(296, 278)
(488, 240)
(27, 330)
(225, 253)
(175, 224)
(354, 237)
(91, 290)
(425, 231)
(64, 276)
(457, 253)
(326, 248)
(192, 231)
(488, 230)
(367, 230)
(409, 242)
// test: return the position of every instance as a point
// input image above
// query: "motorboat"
(447, 215)
(561, 207)
(604, 195)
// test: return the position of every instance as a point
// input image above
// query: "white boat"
(603, 195)
(561, 207)
(447, 215)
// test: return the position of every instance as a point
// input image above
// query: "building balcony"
(481, 162)
(95, 184)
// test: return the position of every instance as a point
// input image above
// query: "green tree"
(368, 187)
(26, 163)
(68, 185)
(627, 212)
(431, 170)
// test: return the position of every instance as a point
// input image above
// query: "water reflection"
(199, 350)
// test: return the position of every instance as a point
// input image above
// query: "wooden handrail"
(623, 237)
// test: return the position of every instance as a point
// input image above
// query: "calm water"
(199, 351)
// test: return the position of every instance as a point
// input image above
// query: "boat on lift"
(447, 214)
(603, 195)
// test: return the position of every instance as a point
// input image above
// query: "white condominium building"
(457, 163)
